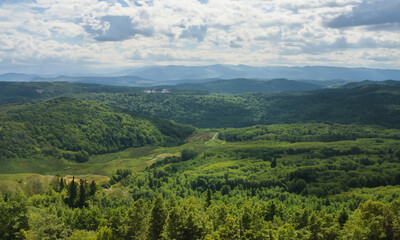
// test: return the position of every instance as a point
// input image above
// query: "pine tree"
(82, 194)
(270, 211)
(93, 188)
(273, 163)
(137, 221)
(158, 219)
(208, 197)
(174, 224)
(72, 193)
(192, 230)
(343, 217)
(230, 230)
(61, 184)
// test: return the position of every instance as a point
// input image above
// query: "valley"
(199, 120)
(98, 160)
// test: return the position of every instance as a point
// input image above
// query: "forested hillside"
(368, 104)
(21, 92)
(243, 85)
(75, 129)
(311, 132)
(275, 187)
(359, 103)
(117, 172)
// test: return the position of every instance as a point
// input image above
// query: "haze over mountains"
(243, 71)
(161, 75)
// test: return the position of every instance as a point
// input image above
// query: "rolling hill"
(72, 129)
(368, 104)
(242, 85)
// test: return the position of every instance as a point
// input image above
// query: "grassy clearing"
(100, 167)
(200, 137)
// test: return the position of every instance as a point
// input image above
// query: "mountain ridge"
(178, 72)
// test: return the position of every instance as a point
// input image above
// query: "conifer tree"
(72, 193)
(158, 219)
(92, 188)
(230, 230)
(273, 163)
(61, 184)
(82, 194)
(208, 197)
(174, 224)
(343, 217)
(137, 221)
(192, 230)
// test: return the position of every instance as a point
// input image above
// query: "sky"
(53, 36)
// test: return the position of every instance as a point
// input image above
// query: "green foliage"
(158, 219)
(316, 132)
(242, 85)
(104, 233)
(13, 216)
(366, 104)
(74, 129)
(188, 154)
(374, 220)
(82, 194)
(137, 221)
(370, 104)
(46, 225)
(72, 196)
(297, 181)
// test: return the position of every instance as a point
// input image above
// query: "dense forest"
(369, 104)
(360, 103)
(243, 85)
(20, 92)
(103, 165)
(75, 129)
(297, 188)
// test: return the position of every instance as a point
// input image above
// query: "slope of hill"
(260, 189)
(242, 85)
(74, 129)
(368, 82)
(369, 104)
(366, 104)
(21, 92)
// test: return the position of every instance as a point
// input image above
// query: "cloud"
(233, 44)
(369, 12)
(195, 32)
(262, 32)
(16, 1)
(116, 28)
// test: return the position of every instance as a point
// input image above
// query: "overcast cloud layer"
(47, 35)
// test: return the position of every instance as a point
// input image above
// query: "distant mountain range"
(162, 73)
(171, 75)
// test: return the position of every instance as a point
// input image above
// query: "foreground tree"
(158, 219)
(137, 221)
(72, 193)
(13, 216)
